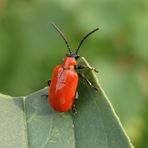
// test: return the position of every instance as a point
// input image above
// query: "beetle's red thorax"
(69, 63)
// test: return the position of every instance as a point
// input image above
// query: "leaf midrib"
(25, 122)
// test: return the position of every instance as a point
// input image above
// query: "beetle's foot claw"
(74, 110)
(96, 89)
(95, 70)
(44, 95)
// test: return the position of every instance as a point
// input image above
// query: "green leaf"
(30, 122)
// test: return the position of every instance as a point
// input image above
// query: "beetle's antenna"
(84, 39)
(62, 35)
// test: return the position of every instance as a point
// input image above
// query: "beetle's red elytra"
(63, 85)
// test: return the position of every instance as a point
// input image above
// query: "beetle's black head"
(70, 53)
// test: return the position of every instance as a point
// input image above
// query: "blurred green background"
(30, 48)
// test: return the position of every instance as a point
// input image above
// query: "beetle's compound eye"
(78, 56)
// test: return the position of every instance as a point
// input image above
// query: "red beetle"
(63, 85)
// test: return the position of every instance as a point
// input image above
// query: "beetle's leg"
(88, 82)
(76, 96)
(45, 95)
(74, 110)
(84, 66)
(49, 81)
